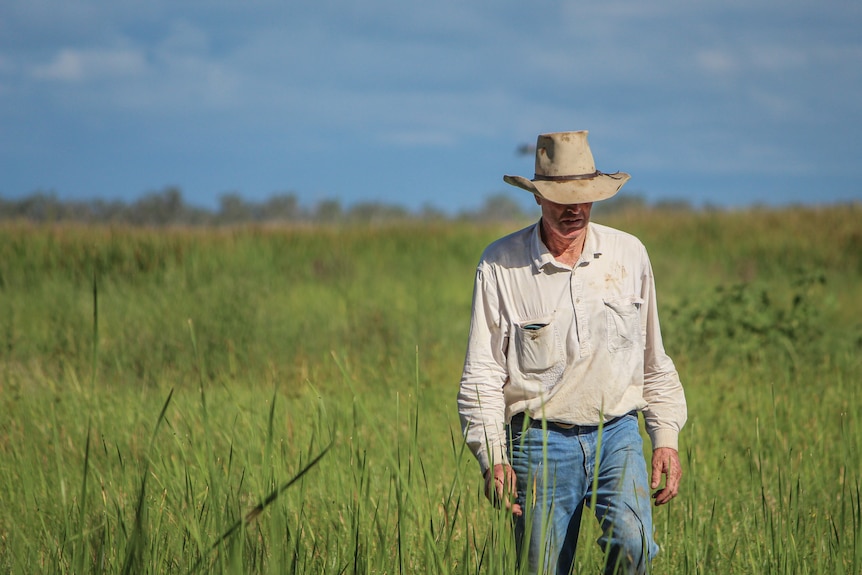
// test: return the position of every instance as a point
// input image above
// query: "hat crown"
(566, 172)
(562, 154)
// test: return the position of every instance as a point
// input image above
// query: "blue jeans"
(555, 472)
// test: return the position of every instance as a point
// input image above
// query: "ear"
(538, 199)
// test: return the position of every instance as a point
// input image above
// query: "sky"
(726, 103)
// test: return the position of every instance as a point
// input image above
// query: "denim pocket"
(623, 322)
(537, 345)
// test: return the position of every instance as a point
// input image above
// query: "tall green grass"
(161, 390)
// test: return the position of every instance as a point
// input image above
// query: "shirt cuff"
(664, 438)
(495, 456)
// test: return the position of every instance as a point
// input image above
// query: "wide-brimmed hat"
(566, 172)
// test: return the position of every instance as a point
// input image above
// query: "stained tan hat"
(566, 172)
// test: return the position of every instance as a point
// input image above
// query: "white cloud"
(716, 61)
(75, 65)
(751, 58)
(169, 74)
(659, 84)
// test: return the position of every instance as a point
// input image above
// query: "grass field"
(161, 390)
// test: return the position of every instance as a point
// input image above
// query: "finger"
(492, 493)
(495, 491)
(662, 496)
(516, 510)
(670, 491)
(513, 492)
(502, 490)
(512, 485)
(674, 474)
(513, 482)
(508, 500)
(508, 487)
(658, 465)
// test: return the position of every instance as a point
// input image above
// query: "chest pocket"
(537, 346)
(623, 322)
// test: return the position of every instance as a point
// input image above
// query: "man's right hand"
(501, 485)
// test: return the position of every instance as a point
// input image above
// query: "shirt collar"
(542, 257)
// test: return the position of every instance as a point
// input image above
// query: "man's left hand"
(665, 461)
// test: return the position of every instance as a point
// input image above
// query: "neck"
(566, 250)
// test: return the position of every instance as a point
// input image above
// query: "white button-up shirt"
(568, 344)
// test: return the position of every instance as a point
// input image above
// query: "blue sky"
(721, 102)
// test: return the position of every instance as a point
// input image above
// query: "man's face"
(566, 221)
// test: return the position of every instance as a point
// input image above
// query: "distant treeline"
(168, 208)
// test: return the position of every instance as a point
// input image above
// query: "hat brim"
(601, 187)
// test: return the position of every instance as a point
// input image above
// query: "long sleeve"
(480, 399)
(666, 410)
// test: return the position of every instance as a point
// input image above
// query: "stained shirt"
(573, 345)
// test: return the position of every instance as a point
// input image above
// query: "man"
(565, 348)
